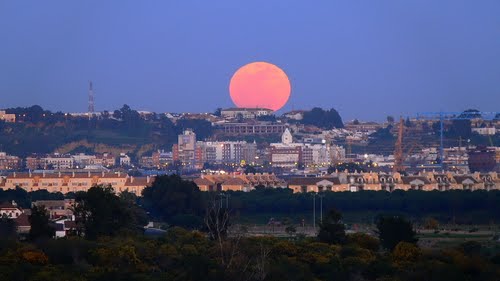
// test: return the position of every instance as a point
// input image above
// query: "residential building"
(9, 162)
(124, 159)
(252, 128)
(6, 117)
(10, 210)
(54, 161)
(185, 150)
(57, 208)
(487, 131)
(238, 152)
(74, 182)
(245, 113)
(294, 114)
(237, 182)
(482, 159)
(310, 152)
(106, 159)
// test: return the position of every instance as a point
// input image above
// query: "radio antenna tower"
(91, 101)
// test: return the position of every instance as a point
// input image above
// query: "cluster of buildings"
(56, 161)
(311, 151)
(60, 212)
(74, 182)
(193, 154)
(352, 182)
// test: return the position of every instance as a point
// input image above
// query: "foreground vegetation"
(109, 243)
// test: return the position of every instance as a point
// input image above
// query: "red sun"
(260, 84)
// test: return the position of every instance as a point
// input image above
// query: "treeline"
(456, 206)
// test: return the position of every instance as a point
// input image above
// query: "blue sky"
(367, 59)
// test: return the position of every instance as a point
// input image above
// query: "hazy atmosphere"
(367, 59)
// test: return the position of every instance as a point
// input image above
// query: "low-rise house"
(57, 208)
(10, 210)
(23, 225)
(316, 184)
(237, 182)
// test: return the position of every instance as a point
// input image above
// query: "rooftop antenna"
(91, 100)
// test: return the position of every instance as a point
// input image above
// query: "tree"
(171, 196)
(250, 169)
(218, 112)
(390, 119)
(7, 228)
(408, 122)
(351, 167)
(431, 223)
(100, 212)
(217, 221)
(405, 253)
(105, 114)
(394, 229)
(364, 241)
(318, 117)
(40, 224)
(332, 229)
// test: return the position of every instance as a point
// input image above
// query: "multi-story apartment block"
(9, 162)
(52, 161)
(74, 182)
(253, 128)
(106, 159)
(238, 152)
(82, 160)
(245, 113)
(185, 150)
(124, 159)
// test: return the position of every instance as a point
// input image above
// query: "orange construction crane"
(398, 149)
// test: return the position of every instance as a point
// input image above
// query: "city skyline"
(367, 61)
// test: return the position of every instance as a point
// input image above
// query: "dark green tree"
(40, 224)
(250, 169)
(394, 229)
(100, 212)
(7, 228)
(171, 196)
(332, 229)
(218, 111)
(326, 119)
(351, 167)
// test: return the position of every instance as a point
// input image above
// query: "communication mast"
(91, 101)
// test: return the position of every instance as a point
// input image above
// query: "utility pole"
(314, 210)
(321, 196)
